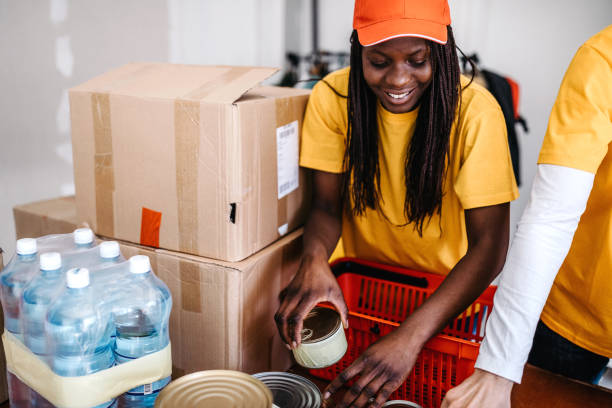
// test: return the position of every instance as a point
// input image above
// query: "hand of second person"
(481, 389)
(313, 283)
(382, 368)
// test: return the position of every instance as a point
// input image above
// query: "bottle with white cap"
(37, 297)
(79, 239)
(141, 323)
(83, 238)
(14, 278)
(79, 330)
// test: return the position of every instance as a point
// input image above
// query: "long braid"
(426, 158)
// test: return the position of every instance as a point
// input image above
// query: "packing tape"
(187, 150)
(150, 223)
(190, 286)
(89, 390)
(103, 164)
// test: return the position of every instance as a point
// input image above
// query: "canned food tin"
(401, 404)
(323, 339)
(291, 390)
(213, 389)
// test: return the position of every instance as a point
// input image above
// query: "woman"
(564, 236)
(411, 167)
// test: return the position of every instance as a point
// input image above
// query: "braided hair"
(426, 157)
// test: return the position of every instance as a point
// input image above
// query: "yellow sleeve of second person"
(580, 125)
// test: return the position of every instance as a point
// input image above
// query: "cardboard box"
(189, 158)
(56, 216)
(222, 313)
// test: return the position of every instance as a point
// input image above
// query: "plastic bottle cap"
(109, 249)
(140, 264)
(50, 261)
(26, 246)
(77, 278)
(83, 236)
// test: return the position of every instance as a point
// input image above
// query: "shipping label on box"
(196, 146)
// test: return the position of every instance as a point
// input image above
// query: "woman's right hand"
(313, 283)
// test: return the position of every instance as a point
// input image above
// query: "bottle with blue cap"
(14, 278)
(79, 330)
(141, 323)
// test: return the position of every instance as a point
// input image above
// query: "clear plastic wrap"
(80, 309)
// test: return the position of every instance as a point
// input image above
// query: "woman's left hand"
(382, 368)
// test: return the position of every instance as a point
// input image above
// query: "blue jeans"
(554, 353)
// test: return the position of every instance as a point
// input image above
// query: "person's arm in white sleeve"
(544, 235)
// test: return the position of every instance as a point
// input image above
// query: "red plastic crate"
(379, 297)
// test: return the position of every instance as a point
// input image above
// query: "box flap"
(228, 84)
(207, 83)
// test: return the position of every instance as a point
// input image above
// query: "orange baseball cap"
(381, 20)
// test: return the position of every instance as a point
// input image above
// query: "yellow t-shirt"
(579, 135)
(479, 174)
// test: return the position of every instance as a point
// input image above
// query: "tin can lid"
(213, 389)
(401, 404)
(319, 324)
(291, 390)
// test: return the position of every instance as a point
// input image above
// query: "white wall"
(48, 46)
(530, 41)
(533, 42)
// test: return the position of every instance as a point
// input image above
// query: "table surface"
(539, 388)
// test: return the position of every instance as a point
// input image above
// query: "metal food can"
(291, 390)
(401, 404)
(214, 389)
(323, 339)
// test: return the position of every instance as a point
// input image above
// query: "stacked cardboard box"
(222, 311)
(193, 159)
(196, 167)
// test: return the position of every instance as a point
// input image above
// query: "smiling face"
(398, 71)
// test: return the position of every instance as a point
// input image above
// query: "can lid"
(320, 324)
(26, 246)
(291, 390)
(215, 388)
(83, 236)
(401, 404)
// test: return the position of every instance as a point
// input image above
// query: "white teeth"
(398, 96)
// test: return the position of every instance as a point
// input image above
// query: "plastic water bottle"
(14, 278)
(37, 297)
(79, 330)
(20, 270)
(79, 239)
(110, 254)
(83, 238)
(141, 323)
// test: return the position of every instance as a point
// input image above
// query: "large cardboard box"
(189, 158)
(55, 216)
(222, 313)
